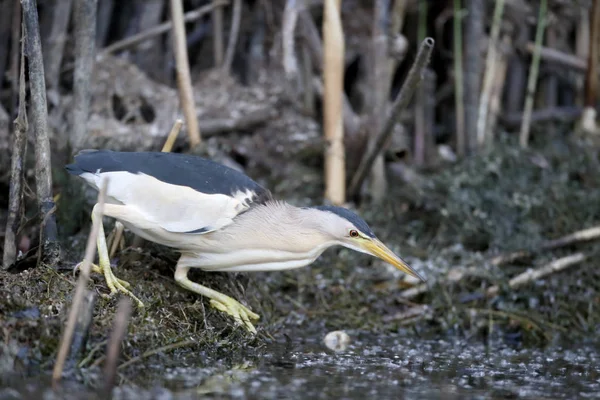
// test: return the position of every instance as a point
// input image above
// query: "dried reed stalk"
(533, 74)
(333, 81)
(168, 146)
(184, 81)
(489, 74)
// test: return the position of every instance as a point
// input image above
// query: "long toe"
(238, 311)
(118, 285)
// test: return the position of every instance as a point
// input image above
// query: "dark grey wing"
(181, 193)
(199, 173)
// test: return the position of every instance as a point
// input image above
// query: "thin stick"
(408, 88)
(85, 49)
(583, 235)
(233, 35)
(50, 247)
(152, 352)
(333, 82)
(184, 81)
(82, 327)
(461, 136)
(114, 345)
(217, 20)
(168, 146)
(533, 74)
(533, 274)
(488, 80)
(80, 289)
(134, 40)
(15, 195)
(575, 62)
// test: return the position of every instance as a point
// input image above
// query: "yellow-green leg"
(242, 314)
(114, 284)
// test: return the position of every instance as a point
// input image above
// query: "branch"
(85, 49)
(534, 274)
(15, 195)
(408, 88)
(50, 248)
(134, 40)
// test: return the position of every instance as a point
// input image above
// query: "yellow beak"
(380, 250)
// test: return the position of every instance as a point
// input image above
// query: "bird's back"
(198, 173)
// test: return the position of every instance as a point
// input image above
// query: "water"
(379, 367)
(376, 367)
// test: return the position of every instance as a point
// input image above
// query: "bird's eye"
(353, 233)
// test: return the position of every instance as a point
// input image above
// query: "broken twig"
(168, 146)
(408, 88)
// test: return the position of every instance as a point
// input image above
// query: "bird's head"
(351, 231)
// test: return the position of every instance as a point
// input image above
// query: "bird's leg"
(242, 314)
(114, 284)
(117, 238)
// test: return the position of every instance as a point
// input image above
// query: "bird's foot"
(242, 314)
(114, 284)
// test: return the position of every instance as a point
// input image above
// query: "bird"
(217, 218)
